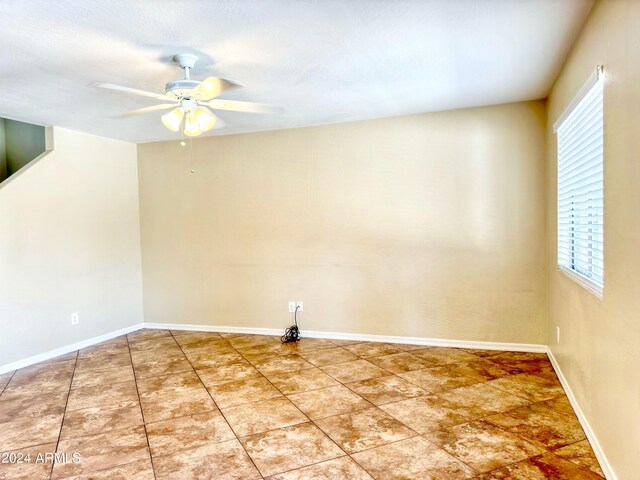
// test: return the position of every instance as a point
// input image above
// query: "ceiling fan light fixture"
(206, 120)
(173, 119)
(191, 125)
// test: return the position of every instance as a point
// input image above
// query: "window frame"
(573, 273)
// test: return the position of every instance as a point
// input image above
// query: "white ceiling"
(323, 61)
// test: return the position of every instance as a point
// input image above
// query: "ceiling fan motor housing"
(180, 88)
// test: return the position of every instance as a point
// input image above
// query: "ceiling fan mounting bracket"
(185, 60)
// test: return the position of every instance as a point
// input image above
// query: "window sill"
(584, 282)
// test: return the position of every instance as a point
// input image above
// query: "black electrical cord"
(292, 334)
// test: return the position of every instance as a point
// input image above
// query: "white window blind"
(580, 186)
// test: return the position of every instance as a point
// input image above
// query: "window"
(580, 187)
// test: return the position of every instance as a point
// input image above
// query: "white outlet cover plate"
(301, 305)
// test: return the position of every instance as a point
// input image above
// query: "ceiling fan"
(191, 100)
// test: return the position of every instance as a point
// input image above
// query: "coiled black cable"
(292, 334)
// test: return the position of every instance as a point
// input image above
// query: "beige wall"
(69, 242)
(599, 352)
(429, 225)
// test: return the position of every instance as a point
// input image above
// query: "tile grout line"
(214, 401)
(8, 382)
(66, 403)
(144, 424)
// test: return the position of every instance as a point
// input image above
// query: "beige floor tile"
(364, 429)
(302, 381)
(534, 388)
(173, 396)
(371, 349)
(234, 372)
(95, 420)
(388, 389)
(262, 416)
(519, 362)
(219, 461)
(177, 333)
(163, 367)
(141, 470)
(172, 436)
(202, 361)
(28, 431)
(197, 338)
(342, 468)
(173, 382)
(163, 343)
(480, 370)
(482, 399)
(108, 353)
(400, 362)
(147, 333)
(424, 414)
(209, 347)
(354, 371)
(107, 376)
(582, 455)
(560, 404)
(483, 446)
(242, 392)
(115, 345)
(4, 380)
(280, 450)
(312, 344)
(32, 406)
(543, 467)
(541, 426)
(105, 450)
(438, 379)
(244, 341)
(101, 361)
(40, 379)
(31, 469)
(412, 459)
(99, 396)
(43, 373)
(272, 364)
(444, 355)
(329, 356)
(482, 353)
(328, 401)
(158, 355)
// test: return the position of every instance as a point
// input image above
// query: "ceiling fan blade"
(212, 87)
(133, 91)
(236, 106)
(153, 108)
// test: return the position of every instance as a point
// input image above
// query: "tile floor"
(193, 405)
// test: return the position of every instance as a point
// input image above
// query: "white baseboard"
(360, 337)
(10, 367)
(593, 440)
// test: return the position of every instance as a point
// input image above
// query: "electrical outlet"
(558, 334)
(292, 307)
(75, 318)
(301, 305)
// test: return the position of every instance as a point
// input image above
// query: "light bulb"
(191, 127)
(205, 118)
(173, 119)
